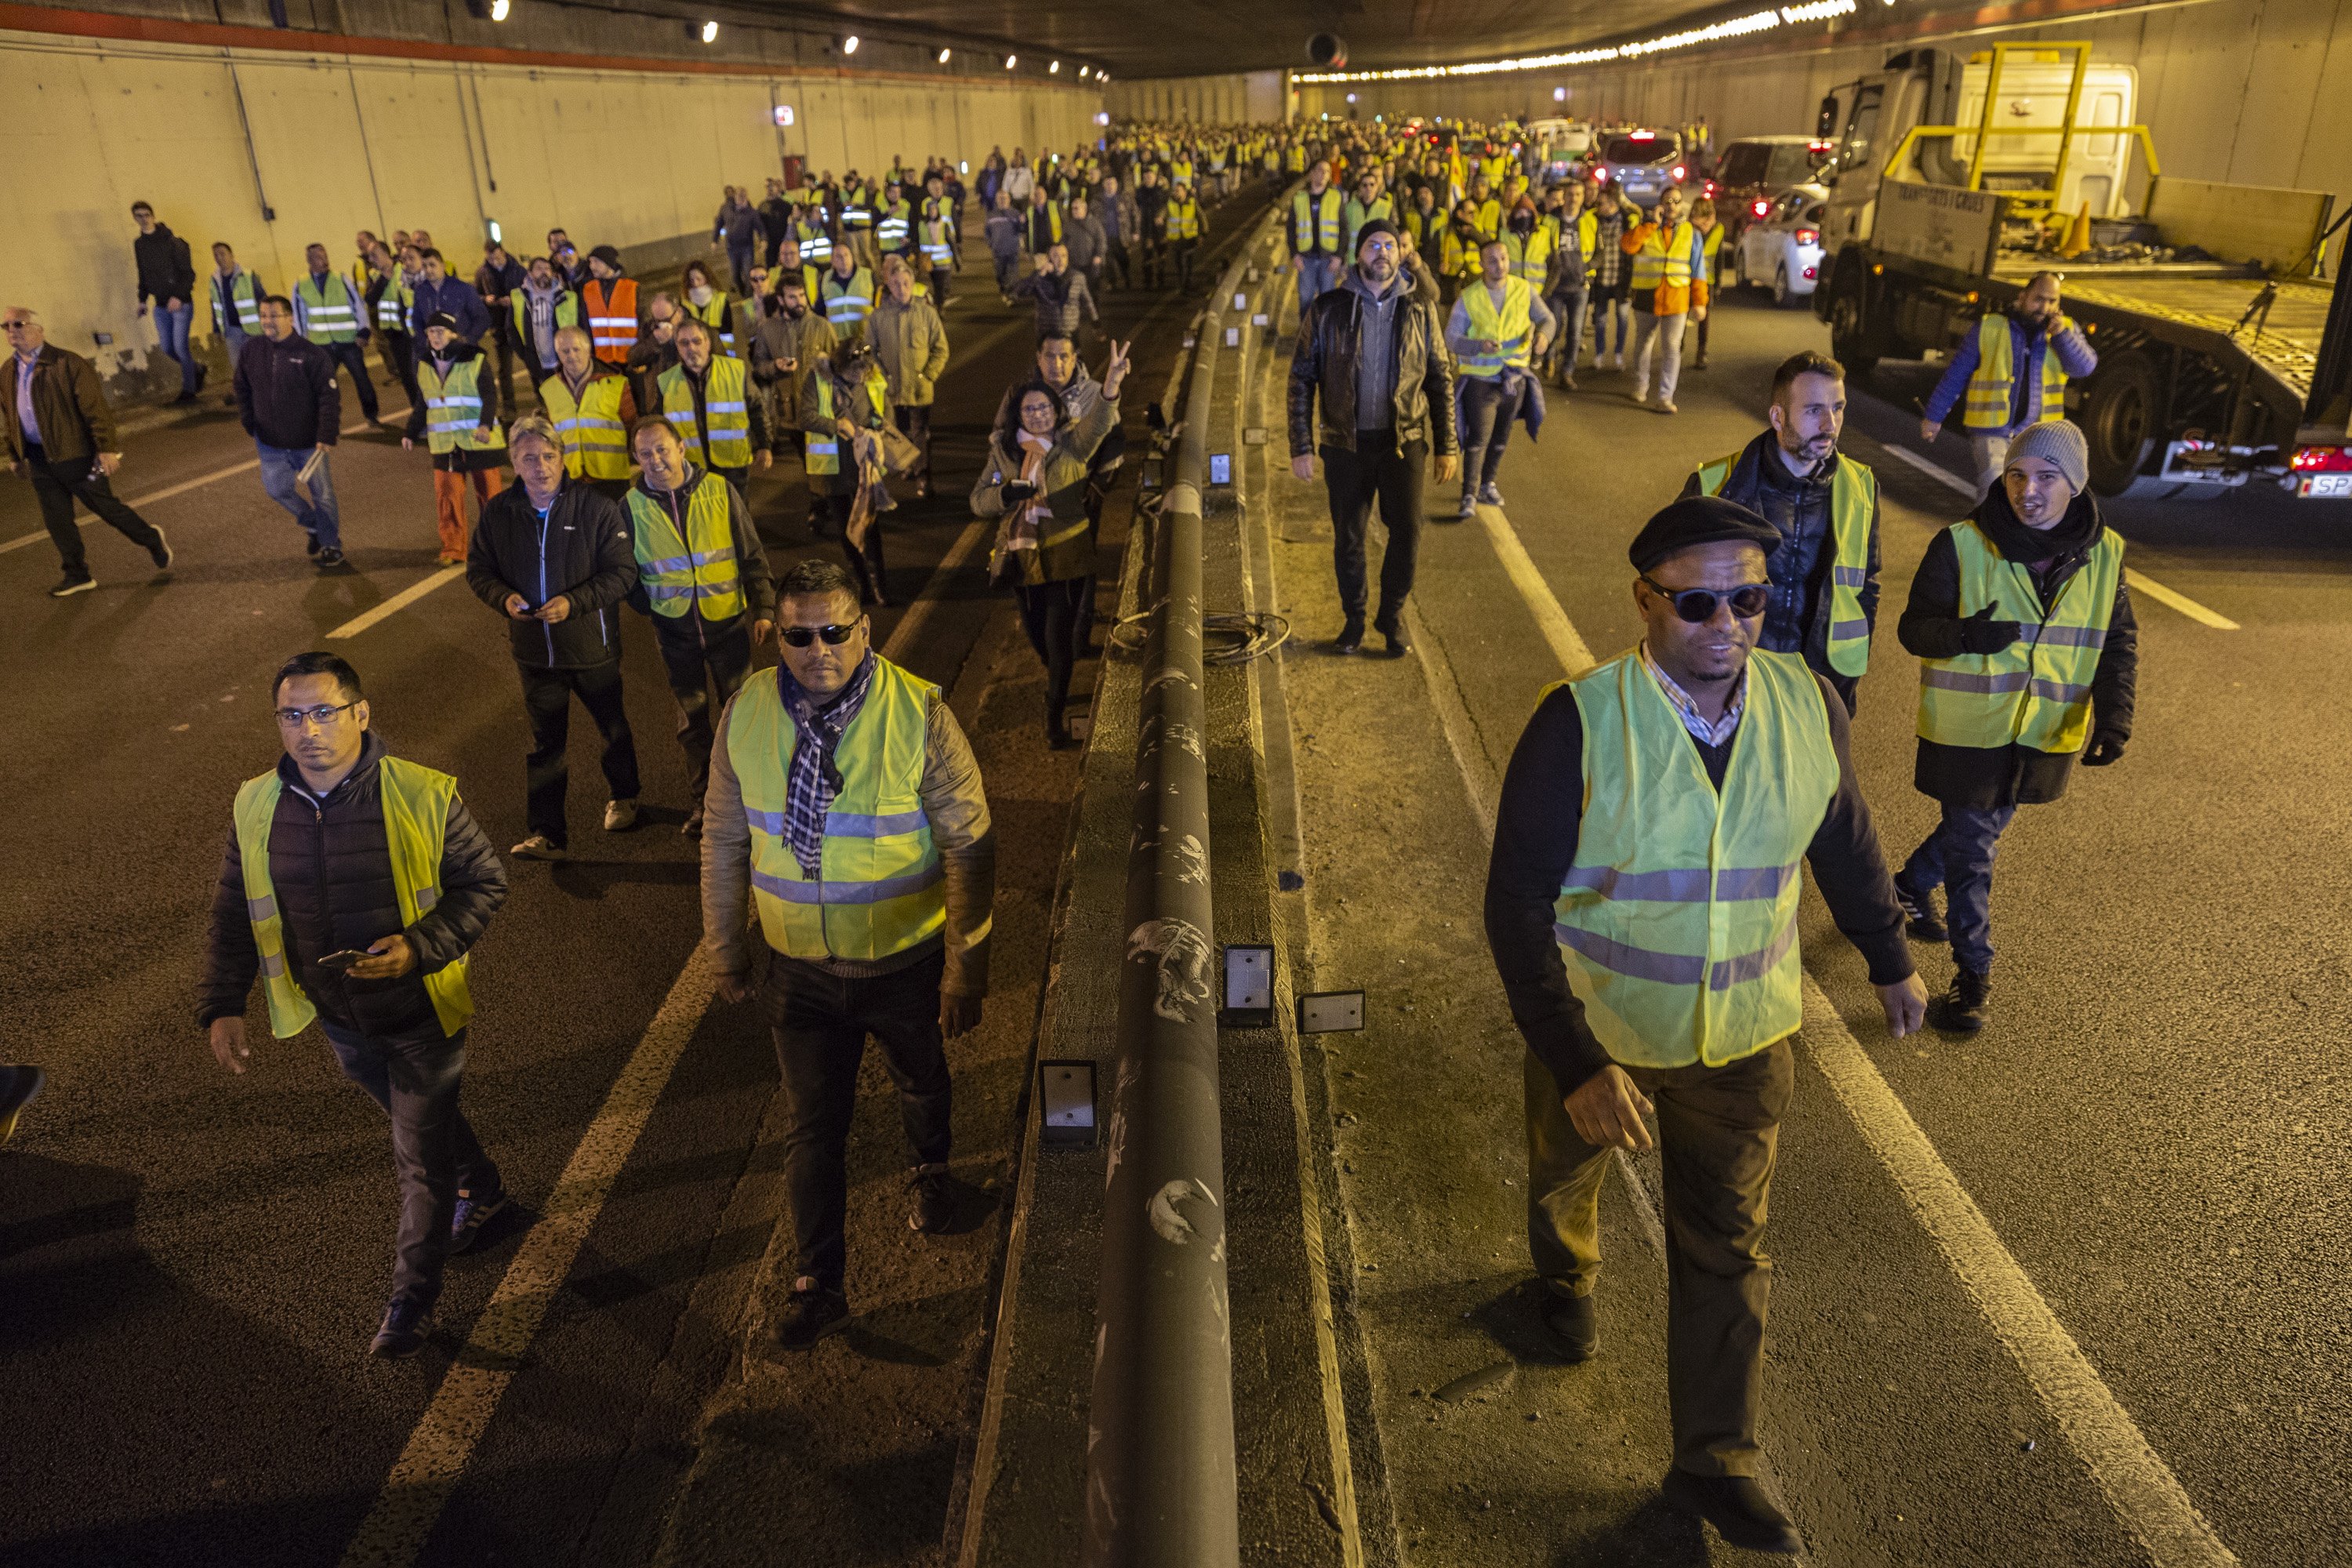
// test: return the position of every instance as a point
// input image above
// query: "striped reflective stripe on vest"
(1678, 968)
(845, 824)
(887, 888)
(445, 423)
(1682, 885)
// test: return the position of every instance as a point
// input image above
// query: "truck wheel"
(1851, 342)
(2119, 418)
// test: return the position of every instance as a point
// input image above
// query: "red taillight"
(1760, 208)
(1679, 171)
(1809, 274)
(1601, 174)
(1643, 136)
(1708, 189)
(1809, 236)
(1817, 146)
(2323, 460)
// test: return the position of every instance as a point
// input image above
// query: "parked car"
(1782, 250)
(1642, 165)
(1561, 146)
(1756, 172)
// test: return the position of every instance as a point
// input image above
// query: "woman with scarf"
(1034, 484)
(845, 404)
(710, 304)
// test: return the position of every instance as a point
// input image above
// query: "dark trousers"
(56, 486)
(1182, 250)
(1719, 1129)
(1958, 855)
(701, 657)
(352, 358)
(502, 340)
(1056, 616)
(865, 563)
(1377, 468)
(1489, 405)
(940, 277)
(547, 697)
(398, 352)
(914, 422)
(739, 261)
(434, 1153)
(1114, 260)
(820, 1022)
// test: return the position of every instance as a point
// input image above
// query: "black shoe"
(467, 1220)
(1351, 639)
(405, 1323)
(1058, 737)
(159, 552)
(1397, 643)
(310, 545)
(934, 1201)
(1962, 1009)
(1736, 1507)
(184, 397)
(1919, 916)
(19, 1085)
(70, 584)
(810, 1313)
(1574, 1322)
(328, 557)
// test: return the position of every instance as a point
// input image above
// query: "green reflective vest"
(2036, 691)
(416, 824)
(595, 442)
(242, 295)
(1184, 219)
(699, 569)
(394, 305)
(331, 312)
(1992, 388)
(1677, 921)
(879, 888)
(453, 408)
(1854, 497)
(815, 241)
(1315, 221)
(1665, 258)
(717, 313)
(727, 444)
(567, 314)
(847, 301)
(1531, 254)
(897, 223)
(822, 453)
(1511, 329)
(1355, 215)
(938, 231)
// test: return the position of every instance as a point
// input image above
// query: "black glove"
(1014, 491)
(1981, 633)
(2106, 747)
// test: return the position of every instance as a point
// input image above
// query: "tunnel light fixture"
(943, 55)
(1351, 98)
(499, 9)
(709, 34)
(1082, 72)
(1560, 95)
(1055, 68)
(1689, 37)
(849, 44)
(1011, 60)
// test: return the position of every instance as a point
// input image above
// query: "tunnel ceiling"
(1139, 38)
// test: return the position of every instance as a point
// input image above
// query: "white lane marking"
(1558, 630)
(438, 1450)
(184, 485)
(396, 604)
(2139, 1485)
(2141, 582)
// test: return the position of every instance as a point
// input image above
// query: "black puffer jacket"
(330, 865)
(165, 272)
(580, 552)
(1325, 362)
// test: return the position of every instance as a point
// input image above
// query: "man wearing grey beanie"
(2022, 621)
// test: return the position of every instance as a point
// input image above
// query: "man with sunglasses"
(1642, 908)
(846, 807)
(355, 885)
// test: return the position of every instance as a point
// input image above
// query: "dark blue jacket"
(457, 298)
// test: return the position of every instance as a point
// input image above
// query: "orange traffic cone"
(2078, 236)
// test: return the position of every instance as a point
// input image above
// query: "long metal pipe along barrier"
(1160, 1470)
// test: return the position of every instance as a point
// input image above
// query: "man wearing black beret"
(1641, 908)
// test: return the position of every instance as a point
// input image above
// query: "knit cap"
(2058, 442)
(1377, 226)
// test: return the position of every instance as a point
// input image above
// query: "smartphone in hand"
(336, 962)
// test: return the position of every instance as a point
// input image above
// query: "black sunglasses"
(1697, 605)
(801, 637)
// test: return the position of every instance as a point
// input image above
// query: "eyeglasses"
(801, 637)
(1697, 605)
(323, 715)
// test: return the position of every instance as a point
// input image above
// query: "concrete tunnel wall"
(627, 153)
(2255, 93)
(1253, 97)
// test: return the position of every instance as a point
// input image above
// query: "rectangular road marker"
(2138, 1485)
(396, 604)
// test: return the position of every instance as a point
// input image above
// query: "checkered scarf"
(812, 781)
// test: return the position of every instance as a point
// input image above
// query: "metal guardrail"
(1162, 1484)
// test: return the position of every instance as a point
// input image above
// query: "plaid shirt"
(812, 781)
(1717, 733)
(1609, 264)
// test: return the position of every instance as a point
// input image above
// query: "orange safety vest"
(611, 322)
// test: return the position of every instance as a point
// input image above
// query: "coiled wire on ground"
(1224, 639)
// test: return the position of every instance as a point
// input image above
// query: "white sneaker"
(1663, 406)
(620, 816)
(539, 847)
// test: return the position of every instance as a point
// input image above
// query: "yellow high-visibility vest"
(727, 444)
(847, 302)
(332, 312)
(2036, 691)
(416, 827)
(243, 299)
(1995, 381)
(1854, 497)
(453, 408)
(1665, 258)
(1509, 329)
(718, 314)
(822, 453)
(1315, 221)
(1530, 254)
(699, 570)
(595, 442)
(1184, 220)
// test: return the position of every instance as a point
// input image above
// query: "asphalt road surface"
(2071, 1292)
(192, 1265)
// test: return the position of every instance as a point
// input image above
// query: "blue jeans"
(1317, 274)
(414, 1077)
(1612, 302)
(1958, 853)
(233, 340)
(171, 332)
(316, 513)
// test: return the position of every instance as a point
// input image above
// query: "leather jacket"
(1325, 363)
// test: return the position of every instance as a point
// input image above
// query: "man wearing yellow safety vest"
(706, 398)
(844, 404)
(1498, 331)
(611, 302)
(2022, 621)
(1182, 234)
(330, 311)
(1669, 286)
(237, 294)
(845, 294)
(593, 410)
(354, 885)
(702, 576)
(1824, 570)
(1368, 202)
(1316, 216)
(1642, 906)
(846, 810)
(2013, 369)
(789, 339)
(1574, 232)
(458, 418)
(935, 235)
(540, 307)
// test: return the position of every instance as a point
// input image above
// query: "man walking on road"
(288, 402)
(706, 398)
(61, 438)
(2023, 622)
(437, 293)
(911, 343)
(1372, 352)
(2013, 370)
(355, 885)
(330, 311)
(1669, 287)
(236, 304)
(553, 556)
(875, 916)
(1314, 233)
(540, 307)
(1824, 570)
(167, 284)
(1645, 976)
(1498, 331)
(593, 410)
(611, 302)
(459, 421)
(702, 575)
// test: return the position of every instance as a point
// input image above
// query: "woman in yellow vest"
(845, 404)
(706, 302)
(2023, 624)
(458, 416)
(355, 885)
